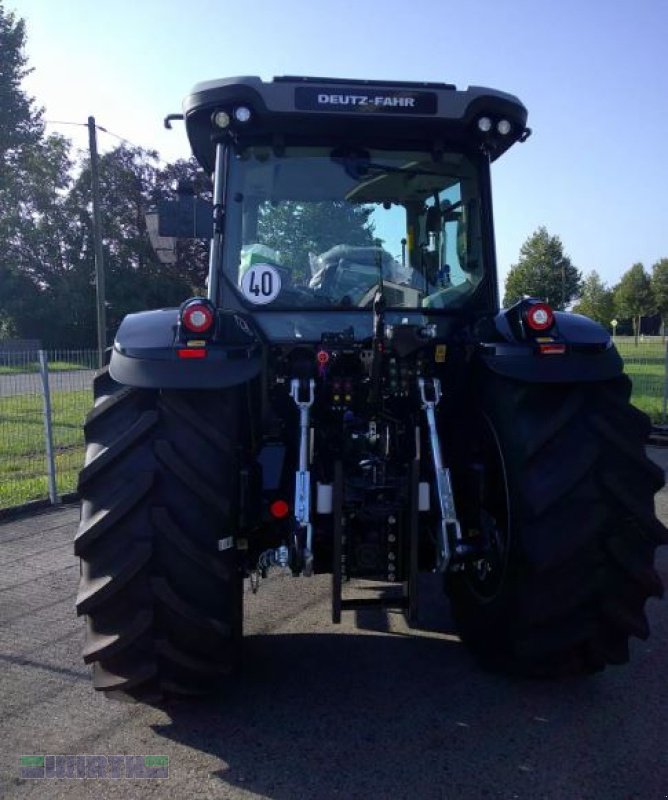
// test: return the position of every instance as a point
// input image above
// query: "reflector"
(191, 353)
(556, 349)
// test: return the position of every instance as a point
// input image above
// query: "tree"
(135, 278)
(543, 271)
(47, 283)
(21, 123)
(296, 229)
(659, 284)
(633, 296)
(18, 299)
(34, 172)
(595, 300)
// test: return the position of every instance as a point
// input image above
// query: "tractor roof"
(313, 110)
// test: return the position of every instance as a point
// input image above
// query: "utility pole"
(563, 285)
(97, 236)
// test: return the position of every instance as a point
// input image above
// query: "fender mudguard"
(590, 354)
(145, 355)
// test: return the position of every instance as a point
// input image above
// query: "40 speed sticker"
(261, 284)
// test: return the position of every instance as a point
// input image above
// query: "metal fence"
(45, 396)
(646, 363)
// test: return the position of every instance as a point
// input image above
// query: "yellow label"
(439, 356)
(196, 343)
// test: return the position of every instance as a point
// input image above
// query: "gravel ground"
(363, 710)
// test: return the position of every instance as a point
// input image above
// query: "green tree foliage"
(544, 271)
(659, 284)
(595, 300)
(32, 210)
(20, 122)
(33, 174)
(47, 276)
(633, 296)
(135, 278)
(297, 229)
(19, 297)
(53, 249)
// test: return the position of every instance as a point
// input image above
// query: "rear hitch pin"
(446, 499)
(303, 476)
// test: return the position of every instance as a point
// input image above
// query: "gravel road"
(363, 710)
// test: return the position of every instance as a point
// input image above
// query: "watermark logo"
(80, 767)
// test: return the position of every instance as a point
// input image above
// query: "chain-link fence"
(647, 365)
(44, 398)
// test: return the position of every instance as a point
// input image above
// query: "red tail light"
(197, 316)
(539, 316)
(279, 509)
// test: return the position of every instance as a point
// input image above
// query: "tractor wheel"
(568, 506)
(160, 585)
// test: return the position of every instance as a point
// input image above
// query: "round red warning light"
(279, 509)
(197, 317)
(539, 317)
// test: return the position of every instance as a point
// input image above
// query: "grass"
(645, 364)
(22, 452)
(654, 349)
(648, 381)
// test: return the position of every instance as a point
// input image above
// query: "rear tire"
(163, 604)
(570, 496)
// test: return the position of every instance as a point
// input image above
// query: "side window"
(454, 244)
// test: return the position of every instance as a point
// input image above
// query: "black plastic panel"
(216, 371)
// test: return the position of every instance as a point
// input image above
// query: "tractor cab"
(327, 190)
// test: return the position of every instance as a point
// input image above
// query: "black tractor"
(350, 399)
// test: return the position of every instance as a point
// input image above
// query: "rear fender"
(589, 355)
(146, 354)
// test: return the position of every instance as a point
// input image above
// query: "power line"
(109, 133)
(63, 122)
(137, 146)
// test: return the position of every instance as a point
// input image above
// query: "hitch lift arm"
(303, 475)
(430, 395)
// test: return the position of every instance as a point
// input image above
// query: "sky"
(592, 73)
